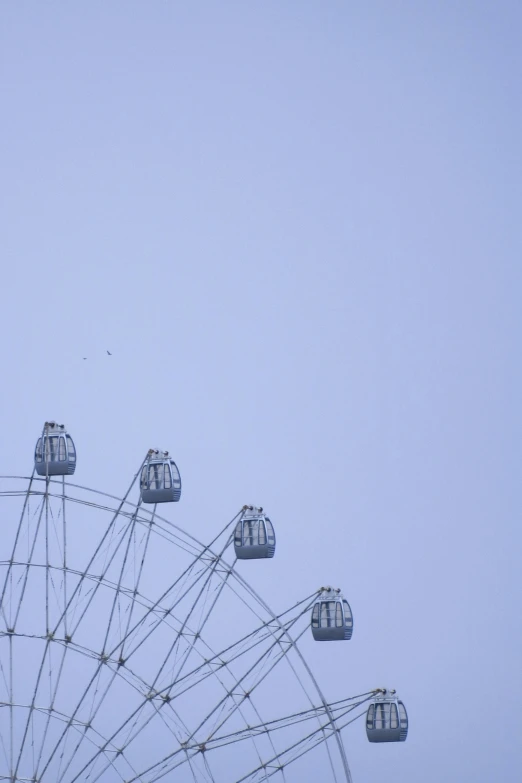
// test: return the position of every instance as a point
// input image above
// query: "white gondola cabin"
(254, 536)
(332, 618)
(160, 480)
(55, 454)
(386, 719)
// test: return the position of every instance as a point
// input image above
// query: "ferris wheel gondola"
(160, 480)
(254, 536)
(55, 454)
(332, 618)
(387, 719)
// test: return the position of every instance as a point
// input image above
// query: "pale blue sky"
(297, 227)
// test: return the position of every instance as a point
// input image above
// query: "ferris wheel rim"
(134, 507)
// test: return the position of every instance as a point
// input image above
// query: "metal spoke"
(8, 575)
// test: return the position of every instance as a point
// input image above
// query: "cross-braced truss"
(101, 682)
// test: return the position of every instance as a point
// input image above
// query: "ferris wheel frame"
(329, 718)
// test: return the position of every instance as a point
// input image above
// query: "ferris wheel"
(131, 653)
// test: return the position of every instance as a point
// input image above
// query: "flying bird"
(110, 354)
(84, 358)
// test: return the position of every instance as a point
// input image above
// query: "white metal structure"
(131, 652)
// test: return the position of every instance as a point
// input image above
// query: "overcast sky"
(296, 226)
